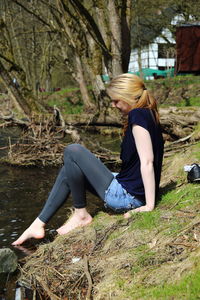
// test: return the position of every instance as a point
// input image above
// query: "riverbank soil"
(153, 255)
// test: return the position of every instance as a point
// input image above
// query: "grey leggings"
(81, 171)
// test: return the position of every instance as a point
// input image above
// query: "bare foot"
(127, 215)
(36, 230)
(79, 218)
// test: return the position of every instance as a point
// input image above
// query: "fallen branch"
(181, 140)
(12, 120)
(89, 278)
(46, 288)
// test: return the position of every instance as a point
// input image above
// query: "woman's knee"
(73, 150)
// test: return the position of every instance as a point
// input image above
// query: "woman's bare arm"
(145, 152)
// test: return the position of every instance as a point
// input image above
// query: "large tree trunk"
(126, 35)
(116, 39)
(27, 107)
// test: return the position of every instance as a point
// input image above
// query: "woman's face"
(122, 106)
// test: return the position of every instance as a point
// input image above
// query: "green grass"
(146, 258)
(193, 101)
(197, 154)
(176, 81)
(62, 97)
(113, 236)
(147, 220)
(101, 220)
(67, 107)
(185, 87)
(188, 288)
(180, 198)
(174, 227)
(67, 90)
(120, 283)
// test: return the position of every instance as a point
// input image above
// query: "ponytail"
(146, 100)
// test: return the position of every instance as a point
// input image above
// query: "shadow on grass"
(164, 190)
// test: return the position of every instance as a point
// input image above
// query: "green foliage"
(149, 18)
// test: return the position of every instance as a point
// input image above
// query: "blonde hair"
(131, 89)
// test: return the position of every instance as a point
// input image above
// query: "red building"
(188, 49)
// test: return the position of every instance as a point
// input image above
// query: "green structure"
(146, 73)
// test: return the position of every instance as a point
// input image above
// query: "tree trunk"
(116, 39)
(82, 84)
(17, 97)
(78, 75)
(126, 16)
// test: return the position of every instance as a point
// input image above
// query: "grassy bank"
(177, 91)
(153, 255)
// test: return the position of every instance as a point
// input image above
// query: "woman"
(136, 186)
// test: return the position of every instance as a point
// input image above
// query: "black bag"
(194, 174)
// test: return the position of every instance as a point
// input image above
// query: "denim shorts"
(118, 199)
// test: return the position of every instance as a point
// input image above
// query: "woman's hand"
(138, 209)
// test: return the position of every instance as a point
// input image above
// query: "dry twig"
(89, 278)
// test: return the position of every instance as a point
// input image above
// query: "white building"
(158, 55)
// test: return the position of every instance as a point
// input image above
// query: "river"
(22, 194)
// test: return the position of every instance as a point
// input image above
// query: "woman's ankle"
(38, 223)
(79, 218)
(81, 213)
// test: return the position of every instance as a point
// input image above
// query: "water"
(23, 192)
